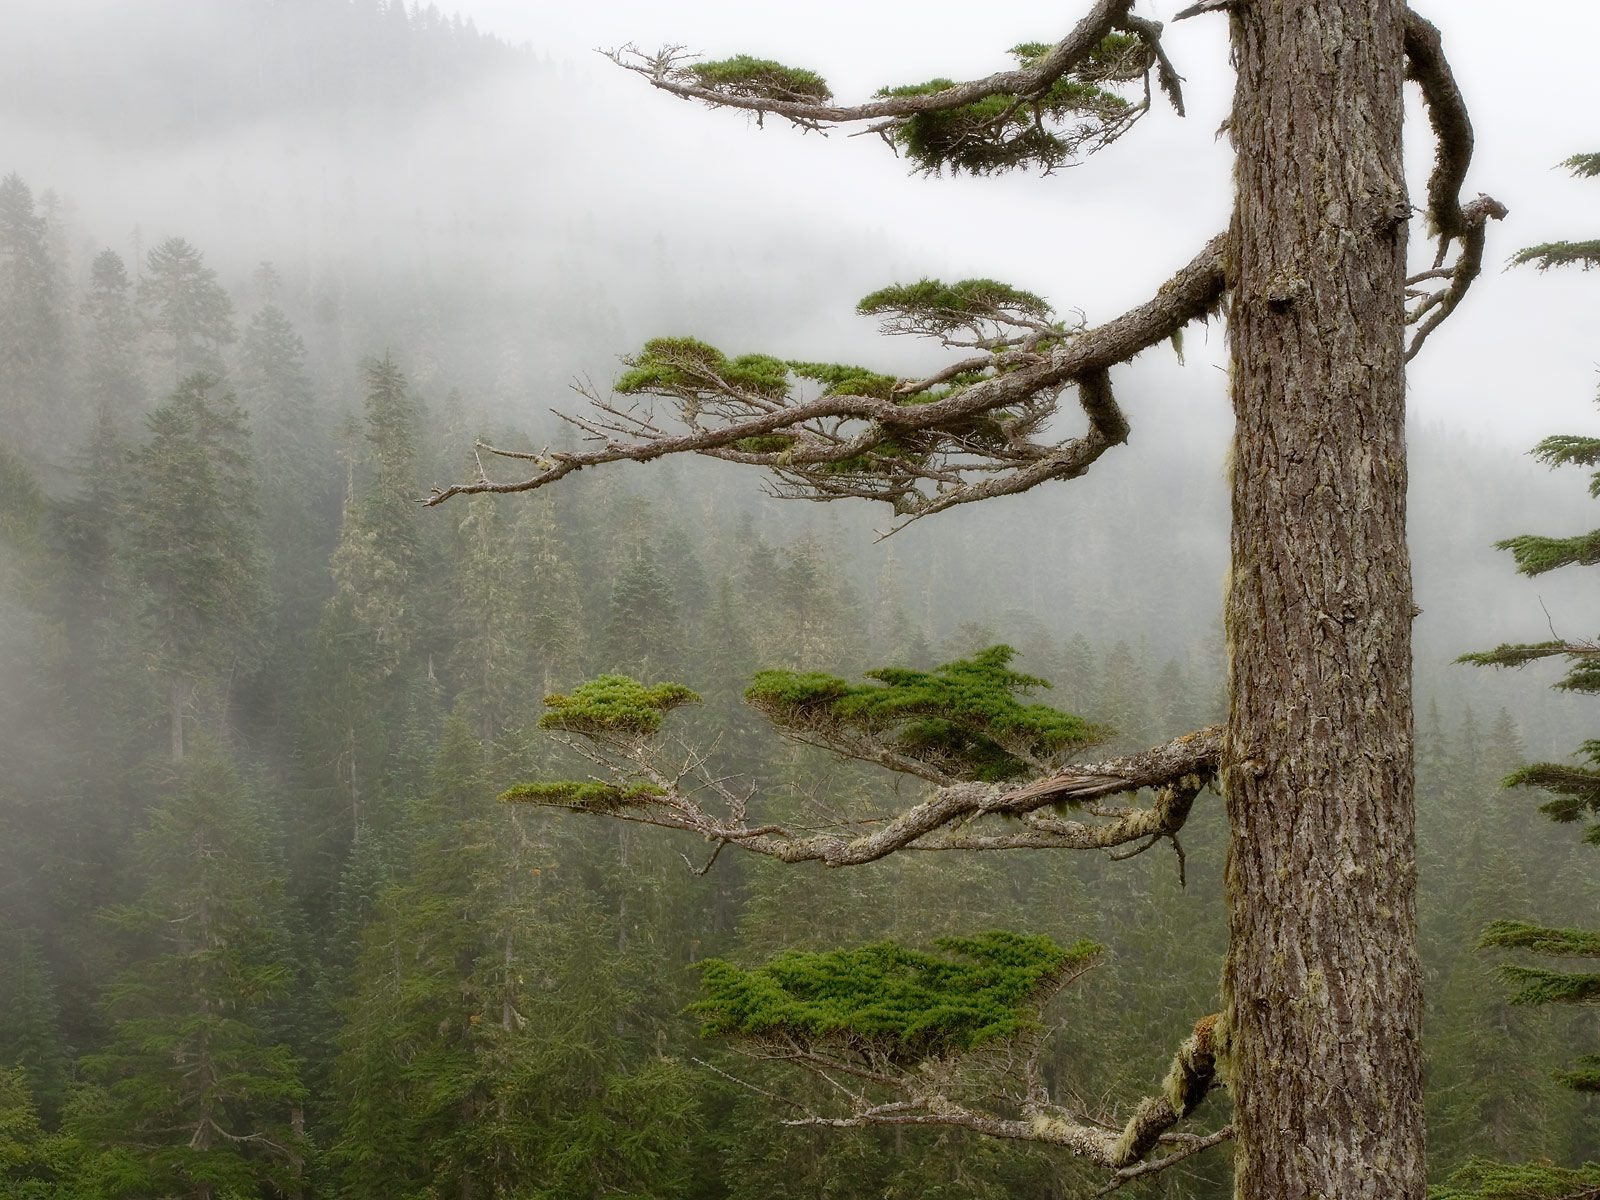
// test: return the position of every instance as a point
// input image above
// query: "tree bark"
(1322, 986)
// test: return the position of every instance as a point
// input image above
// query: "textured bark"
(1321, 986)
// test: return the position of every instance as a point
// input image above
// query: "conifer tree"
(1321, 1008)
(194, 1099)
(1572, 789)
(193, 542)
(186, 310)
(31, 325)
(115, 386)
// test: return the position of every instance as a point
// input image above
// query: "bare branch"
(1451, 220)
(1189, 1149)
(924, 1099)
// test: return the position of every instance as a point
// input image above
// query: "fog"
(236, 617)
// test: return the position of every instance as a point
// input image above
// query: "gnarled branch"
(1177, 770)
(664, 71)
(924, 1098)
(883, 446)
(1451, 220)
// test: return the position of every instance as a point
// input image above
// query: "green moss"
(905, 1003)
(615, 704)
(963, 716)
(772, 443)
(761, 79)
(582, 795)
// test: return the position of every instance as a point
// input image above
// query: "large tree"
(1317, 1038)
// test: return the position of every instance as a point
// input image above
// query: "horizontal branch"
(1177, 769)
(1070, 52)
(812, 449)
(1190, 1078)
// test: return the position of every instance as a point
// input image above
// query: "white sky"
(1516, 362)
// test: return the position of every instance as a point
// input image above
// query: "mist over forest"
(267, 272)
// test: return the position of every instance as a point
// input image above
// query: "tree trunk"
(1322, 985)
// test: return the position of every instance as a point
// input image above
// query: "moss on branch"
(583, 795)
(898, 1002)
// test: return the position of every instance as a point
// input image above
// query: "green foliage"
(615, 705)
(760, 79)
(1513, 654)
(907, 1004)
(1483, 1179)
(688, 365)
(192, 1075)
(583, 796)
(841, 379)
(949, 305)
(1540, 986)
(1583, 1076)
(963, 716)
(1522, 935)
(1005, 131)
(1535, 555)
(1583, 166)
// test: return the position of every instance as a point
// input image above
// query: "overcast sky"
(1517, 361)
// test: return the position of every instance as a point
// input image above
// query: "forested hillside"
(266, 929)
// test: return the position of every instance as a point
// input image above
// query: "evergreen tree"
(114, 384)
(186, 309)
(1573, 788)
(1321, 1050)
(194, 548)
(30, 1034)
(195, 1099)
(31, 325)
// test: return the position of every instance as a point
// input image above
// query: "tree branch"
(1178, 769)
(894, 444)
(1450, 219)
(1073, 51)
(924, 1101)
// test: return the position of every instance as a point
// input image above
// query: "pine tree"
(194, 1097)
